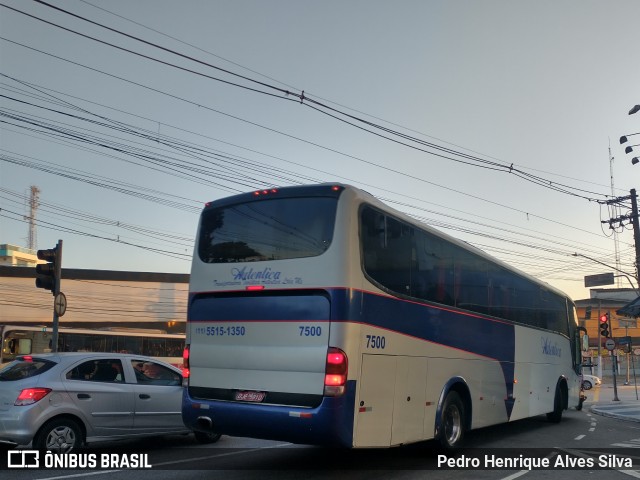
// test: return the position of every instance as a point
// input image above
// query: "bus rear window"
(274, 229)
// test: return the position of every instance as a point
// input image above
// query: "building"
(15, 256)
(97, 299)
(609, 301)
(603, 301)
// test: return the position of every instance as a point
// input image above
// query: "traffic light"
(587, 313)
(604, 325)
(48, 274)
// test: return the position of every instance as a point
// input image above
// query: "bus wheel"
(558, 403)
(452, 421)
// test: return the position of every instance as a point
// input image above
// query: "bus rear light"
(253, 288)
(186, 372)
(335, 378)
(258, 193)
(29, 396)
(185, 357)
(301, 414)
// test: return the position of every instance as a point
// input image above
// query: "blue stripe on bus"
(490, 338)
(473, 333)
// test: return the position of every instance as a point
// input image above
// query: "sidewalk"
(600, 400)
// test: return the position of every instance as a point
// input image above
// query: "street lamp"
(624, 139)
(629, 148)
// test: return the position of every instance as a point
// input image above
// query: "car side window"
(102, 370)
(151, 373)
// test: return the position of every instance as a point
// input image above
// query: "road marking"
(172, 462)
(579, 437)
(592, 429)
(633, 443)
(81, 474)
(524, 472)
(631, 473)
(515, 475)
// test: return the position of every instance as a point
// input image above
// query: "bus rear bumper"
(331, 423)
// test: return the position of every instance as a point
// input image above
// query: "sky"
(491, 120)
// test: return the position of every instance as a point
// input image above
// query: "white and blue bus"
(319, 315)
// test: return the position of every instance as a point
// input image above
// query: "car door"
(158, 398)
(98, 390)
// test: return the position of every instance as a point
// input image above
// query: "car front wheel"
(59, 435)
(587, 385)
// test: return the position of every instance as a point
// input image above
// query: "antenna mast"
(616, 242)
(33, 207)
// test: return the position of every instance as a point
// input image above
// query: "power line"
(320, 97)
(154, 139)
(61, 228)
(319, 106)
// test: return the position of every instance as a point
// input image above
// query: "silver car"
(61, 401)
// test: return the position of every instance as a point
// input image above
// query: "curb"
(614, 412)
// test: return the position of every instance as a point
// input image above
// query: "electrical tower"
(33, 207)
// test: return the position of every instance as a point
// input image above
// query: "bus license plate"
(250, 396)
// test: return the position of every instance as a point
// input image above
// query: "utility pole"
(636, 230)
(633, 217)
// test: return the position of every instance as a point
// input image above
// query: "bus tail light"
(29, 396)
(185, 366)
(336, 370)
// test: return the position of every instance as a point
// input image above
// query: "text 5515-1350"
(221, 331)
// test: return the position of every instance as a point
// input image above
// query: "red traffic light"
(603, 318)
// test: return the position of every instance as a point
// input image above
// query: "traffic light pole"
(54, 335)
(614, 362)
(599, 340)
(48, 276)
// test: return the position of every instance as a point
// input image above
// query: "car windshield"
(24, 367)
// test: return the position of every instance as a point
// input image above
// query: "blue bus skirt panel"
(329, 424)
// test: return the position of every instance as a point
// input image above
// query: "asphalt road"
(581, 443)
